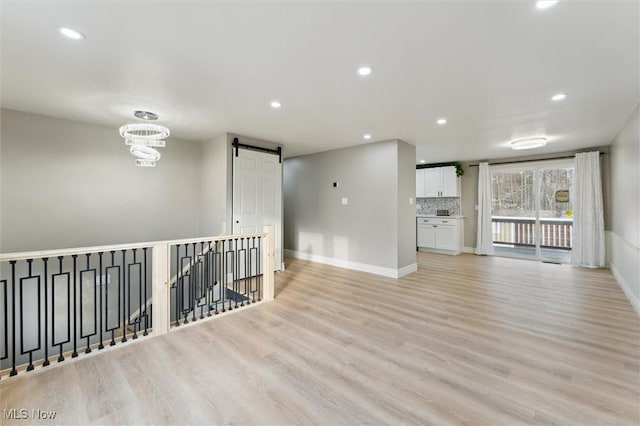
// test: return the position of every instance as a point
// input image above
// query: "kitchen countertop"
(440, 217)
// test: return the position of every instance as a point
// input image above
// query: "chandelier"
(144, 137)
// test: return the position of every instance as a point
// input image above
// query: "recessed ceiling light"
(365, 70)
(529, 143)
(72, 34)
(275, 104)
(367, 136)
(442, 121)
(546, 4)
(559, 97)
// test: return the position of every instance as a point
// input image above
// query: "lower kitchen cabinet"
(441, 235)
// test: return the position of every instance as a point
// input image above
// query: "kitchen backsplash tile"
(428, 206)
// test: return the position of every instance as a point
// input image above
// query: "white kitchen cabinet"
(440, 234)
(433, 182)
(437, 182)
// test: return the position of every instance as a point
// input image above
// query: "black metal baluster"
(236, 273)
(45, 260)
(30, 276)
(13, 320)
(54, 342)
(116, 326)
(254, 264)
(192, 283)
(186, 308)
(259, 263)
(210, 277)
(75, 308)
(124, 297)
(93, 281)
(5, 304)
(133, 323)
(223, 274)
(145, 292)
(103, 282)
(217, 267)
(177, 286)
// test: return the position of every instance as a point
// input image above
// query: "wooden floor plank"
(465, 340)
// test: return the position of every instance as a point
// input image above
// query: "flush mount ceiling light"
(70, 33)
(529, 143)
(143, 137)
(559, 97)
(366, 136)
(275, 104)
(441, 121)
(421, 161)
(365, 70)
(546, 4)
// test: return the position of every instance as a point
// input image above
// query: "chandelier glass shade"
(145, 142)
(143, 137)
(145, 152)
(147, 131)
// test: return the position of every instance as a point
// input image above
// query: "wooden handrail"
(6, 257)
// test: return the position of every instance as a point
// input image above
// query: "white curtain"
(484, 242)
(588, 222)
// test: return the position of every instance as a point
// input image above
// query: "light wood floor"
(465, 340)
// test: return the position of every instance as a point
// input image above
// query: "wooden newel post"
(160, 289)
(268, 262)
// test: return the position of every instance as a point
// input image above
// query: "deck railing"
(555, 233)
(58, 304)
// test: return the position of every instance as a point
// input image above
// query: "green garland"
(459, 169)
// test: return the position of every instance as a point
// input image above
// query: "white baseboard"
(624, 262)
(409, 269)
(625, 287)
(471, 250)
(347, 264)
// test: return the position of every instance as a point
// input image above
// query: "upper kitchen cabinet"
(437, 182)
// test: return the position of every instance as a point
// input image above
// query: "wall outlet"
(410, 201)
(345, 201)
(476, 207)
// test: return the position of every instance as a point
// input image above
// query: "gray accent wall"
(70, 184)
(377, 227)
(625, 208)
(406, 204)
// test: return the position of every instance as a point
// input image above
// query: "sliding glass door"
(532, 212)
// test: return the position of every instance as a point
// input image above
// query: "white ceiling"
(209, 67)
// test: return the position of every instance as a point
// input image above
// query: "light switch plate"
(410, 201)
(345, 201)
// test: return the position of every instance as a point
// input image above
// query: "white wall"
(71, 184)
(624, 235)
(213, 205)
(365, 233)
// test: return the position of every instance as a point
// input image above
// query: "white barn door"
(257, 195)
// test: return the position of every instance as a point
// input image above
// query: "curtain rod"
(530, 161)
